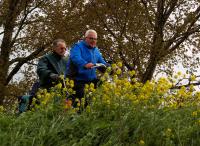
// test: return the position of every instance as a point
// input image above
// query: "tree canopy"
(143, 34)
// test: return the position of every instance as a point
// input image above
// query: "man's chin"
(93, 46)
(62, 55)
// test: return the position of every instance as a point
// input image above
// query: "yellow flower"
(108, 69)
(92, 89)
(39, 96)
(93, 98)
(193, 77)
(134, 80)
(194, 114)
(141, 142)
(114, 66)
(82, 101)
(78, 104)
(64, 89)
(71, 83)
(106, 75)
(70, 91)
(92, 85)
(102, 78)
(192, 88)
(37, 106)
(48, 95)
(44, 102)
(169, 130)
(59, 86)
(88, 109)
(176, 76)
(33, 101)
(44, 91)
(132, 73)
(1, 109)
(118, 71)
(67, 80)
(86, 86)
(119, 64)
(108, 102)
(62, 77)
(115, 77)
(179, 73)
(198, 122)
(86, 90)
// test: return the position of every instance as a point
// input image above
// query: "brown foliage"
(143, 34)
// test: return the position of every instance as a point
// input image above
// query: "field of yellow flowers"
(120, 112)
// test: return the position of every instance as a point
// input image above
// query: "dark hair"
(55, 42)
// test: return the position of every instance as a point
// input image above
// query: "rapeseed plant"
(121, 111)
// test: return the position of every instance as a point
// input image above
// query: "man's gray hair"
(90, 31)
(57, 41)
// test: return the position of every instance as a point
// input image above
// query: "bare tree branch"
(170, 8)
(104, 23)
(22, 22)
(147, 13)
(1, 32)
(183, 38)
(22, 61)
(186, 85)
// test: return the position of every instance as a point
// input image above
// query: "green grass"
(50, 128)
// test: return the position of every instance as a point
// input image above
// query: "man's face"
(91, 39)
(60, 49)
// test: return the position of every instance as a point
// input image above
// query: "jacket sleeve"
(75, 55)
(42, 68)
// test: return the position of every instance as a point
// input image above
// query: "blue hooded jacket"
(80, 55)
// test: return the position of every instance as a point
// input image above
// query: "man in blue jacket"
(83, 57)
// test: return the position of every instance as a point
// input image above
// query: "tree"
(145, 34)
(28, 28)
(12, 25)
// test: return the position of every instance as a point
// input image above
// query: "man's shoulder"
(78, 44)
(46, 57)
(48, 54)
(96, 49)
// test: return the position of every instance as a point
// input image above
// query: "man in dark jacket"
(83, 57)
(52, 65)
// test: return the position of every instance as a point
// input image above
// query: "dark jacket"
(80, 55)
(50, 63)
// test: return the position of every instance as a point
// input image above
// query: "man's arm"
(101, 60)
(43, 71)
(77, 59)
(42, 68)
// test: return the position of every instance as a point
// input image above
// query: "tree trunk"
(6, 46)
(150, 69)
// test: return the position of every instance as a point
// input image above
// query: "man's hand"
(54, 77)
(89, 65)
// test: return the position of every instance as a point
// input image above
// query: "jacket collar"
(85, 44)
(58, 57)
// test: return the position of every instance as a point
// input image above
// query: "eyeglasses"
(92, 39)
